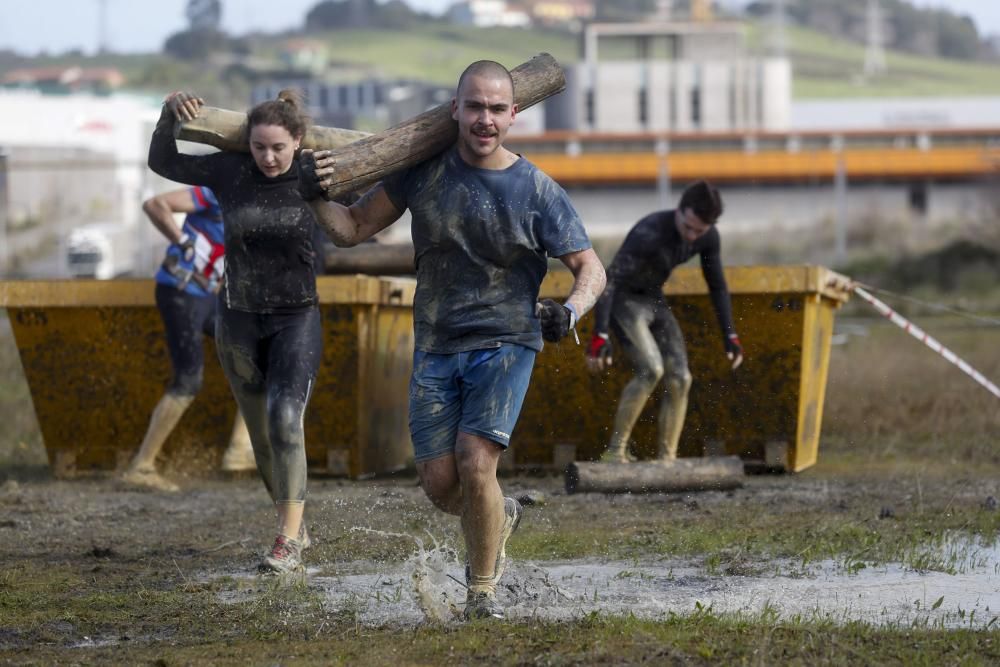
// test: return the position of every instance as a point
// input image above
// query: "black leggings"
(187, 318)
(271, 361)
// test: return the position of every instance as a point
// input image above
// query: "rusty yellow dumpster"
(96, 363)
(768, 411)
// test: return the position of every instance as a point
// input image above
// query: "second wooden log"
(374, 259)
(686, 474)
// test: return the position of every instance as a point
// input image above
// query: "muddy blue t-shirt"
(481, 240)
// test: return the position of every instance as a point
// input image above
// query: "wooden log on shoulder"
(368, 159)
(227, 131)
(374, 259)
(686, 474)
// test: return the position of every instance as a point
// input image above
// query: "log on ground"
(686, 474)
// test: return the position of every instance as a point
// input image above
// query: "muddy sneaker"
(482, 605)
(512, 519)
(238, 457)
(304, 538)
(148, 480)
(616, 456)
(285, 557)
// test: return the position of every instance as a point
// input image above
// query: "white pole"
(927, 340)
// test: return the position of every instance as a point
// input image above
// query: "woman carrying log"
(269, 330)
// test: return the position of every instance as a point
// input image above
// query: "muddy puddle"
(428, 588)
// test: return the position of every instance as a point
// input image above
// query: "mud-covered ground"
(884, 553)
(93, 573)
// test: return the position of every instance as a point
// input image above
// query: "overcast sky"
(140, 25)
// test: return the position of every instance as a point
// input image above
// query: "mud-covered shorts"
(479, 392)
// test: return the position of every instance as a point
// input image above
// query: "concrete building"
(487, 14)
(896, 113)
(67, 161)
(571, 14)
(671, 77)
(367, 103)
(64, 79)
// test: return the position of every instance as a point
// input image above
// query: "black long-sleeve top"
(268, 226)
(651, 250)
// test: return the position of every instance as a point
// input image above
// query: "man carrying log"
(484, 222)
(634, 306)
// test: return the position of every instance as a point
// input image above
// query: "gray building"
(671, 77)
(367, 103)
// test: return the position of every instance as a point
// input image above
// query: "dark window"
(918, 197)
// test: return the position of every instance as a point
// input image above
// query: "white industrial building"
(69, 161)
(671, 77)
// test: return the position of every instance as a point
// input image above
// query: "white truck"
(101, 250)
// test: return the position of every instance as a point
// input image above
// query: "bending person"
(633, 306)
(269, 333)
(186, 286)
(484, 223)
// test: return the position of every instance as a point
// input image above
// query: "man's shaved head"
(485, 68)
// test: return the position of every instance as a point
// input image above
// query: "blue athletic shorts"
(479, 392)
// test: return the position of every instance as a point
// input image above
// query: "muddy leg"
(631, 318)
(239, 340)
(246, 381)
(439, 480)
(142, 469)
(293, 361)
(677, 385)
(673, 410)
(239, 454)
(482, 507)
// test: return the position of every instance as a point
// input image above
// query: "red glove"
(599, 353)
(600, 345)
(734, 350)
(733, 345)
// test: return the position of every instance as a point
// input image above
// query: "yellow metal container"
(768, 411)
(96, 362)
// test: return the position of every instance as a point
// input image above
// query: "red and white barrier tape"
(926, 339)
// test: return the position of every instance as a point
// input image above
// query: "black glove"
(309, 187)
(186, 244)
(555, 319)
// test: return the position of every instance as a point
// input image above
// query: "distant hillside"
(823, 66)
(904, 26)
(826, 66)
(438, 53)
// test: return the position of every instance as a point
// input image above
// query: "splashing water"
(427, 588)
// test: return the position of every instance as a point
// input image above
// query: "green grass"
(439, 53)
(825, 67)
(291, 628)
(727, 537)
